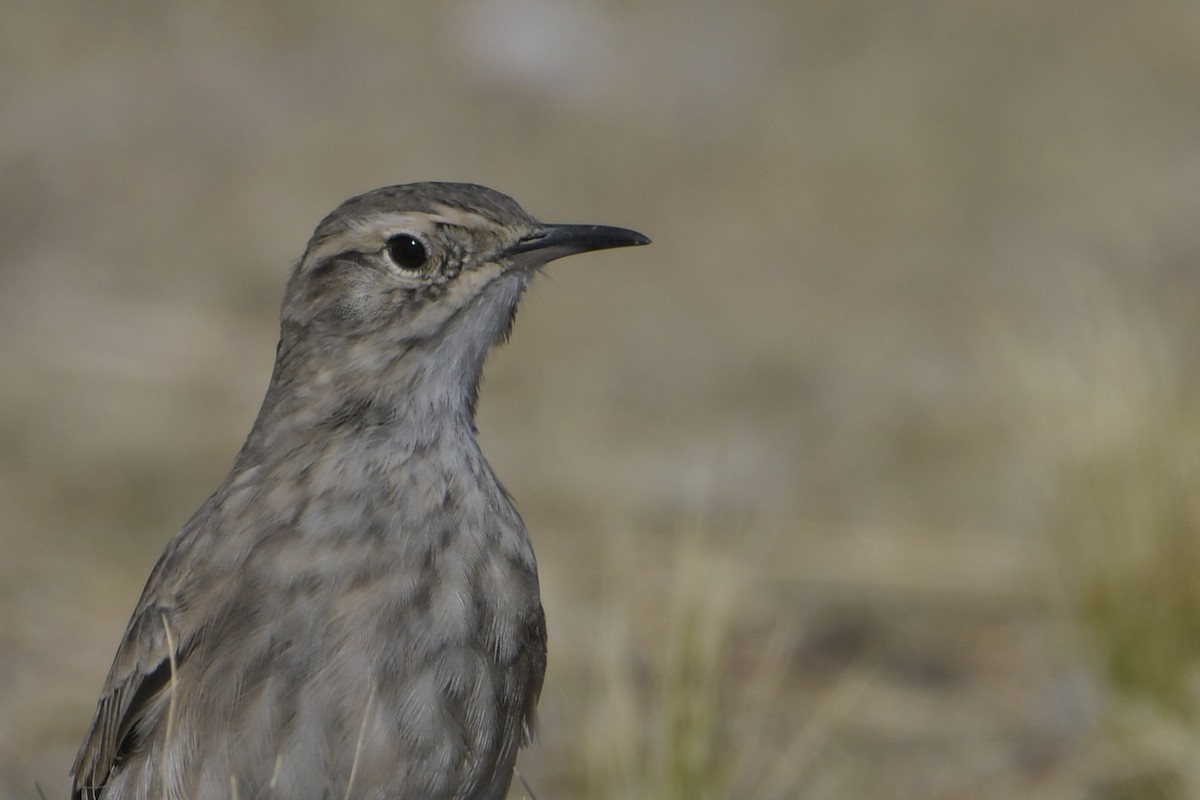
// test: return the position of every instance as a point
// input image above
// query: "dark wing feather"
(140, 672)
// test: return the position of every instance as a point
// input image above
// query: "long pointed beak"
(555, 241)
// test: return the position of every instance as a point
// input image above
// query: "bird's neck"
(371, 456)
(402, 402)
(384, 386)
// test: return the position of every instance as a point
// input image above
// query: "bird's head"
(416, 262)
(410, 285)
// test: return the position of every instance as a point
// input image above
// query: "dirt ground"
(911, 262)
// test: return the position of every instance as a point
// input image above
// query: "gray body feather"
(354, 613)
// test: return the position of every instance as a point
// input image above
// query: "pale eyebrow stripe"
(366, 234)
(459, 217)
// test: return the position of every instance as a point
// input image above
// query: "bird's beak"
(555, 241)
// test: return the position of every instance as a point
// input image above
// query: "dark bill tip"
(555, 241)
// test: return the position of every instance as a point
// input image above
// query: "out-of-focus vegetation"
(1130, 521)
(875, 476)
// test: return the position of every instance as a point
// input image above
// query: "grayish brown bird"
(355, 612)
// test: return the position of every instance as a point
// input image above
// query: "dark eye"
(407, 251)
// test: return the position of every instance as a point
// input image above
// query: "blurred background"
(875, 476)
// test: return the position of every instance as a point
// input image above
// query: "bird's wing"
(140, 672)
(153, 646)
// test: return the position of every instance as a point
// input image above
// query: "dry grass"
(658, 724)
(929, 568)
(1130, 527)
(1127, 528)
(1120, 440)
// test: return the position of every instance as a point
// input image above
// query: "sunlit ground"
(875, 476)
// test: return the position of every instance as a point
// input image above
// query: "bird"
(354, 612)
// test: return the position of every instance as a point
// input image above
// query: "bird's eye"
(407, 251)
